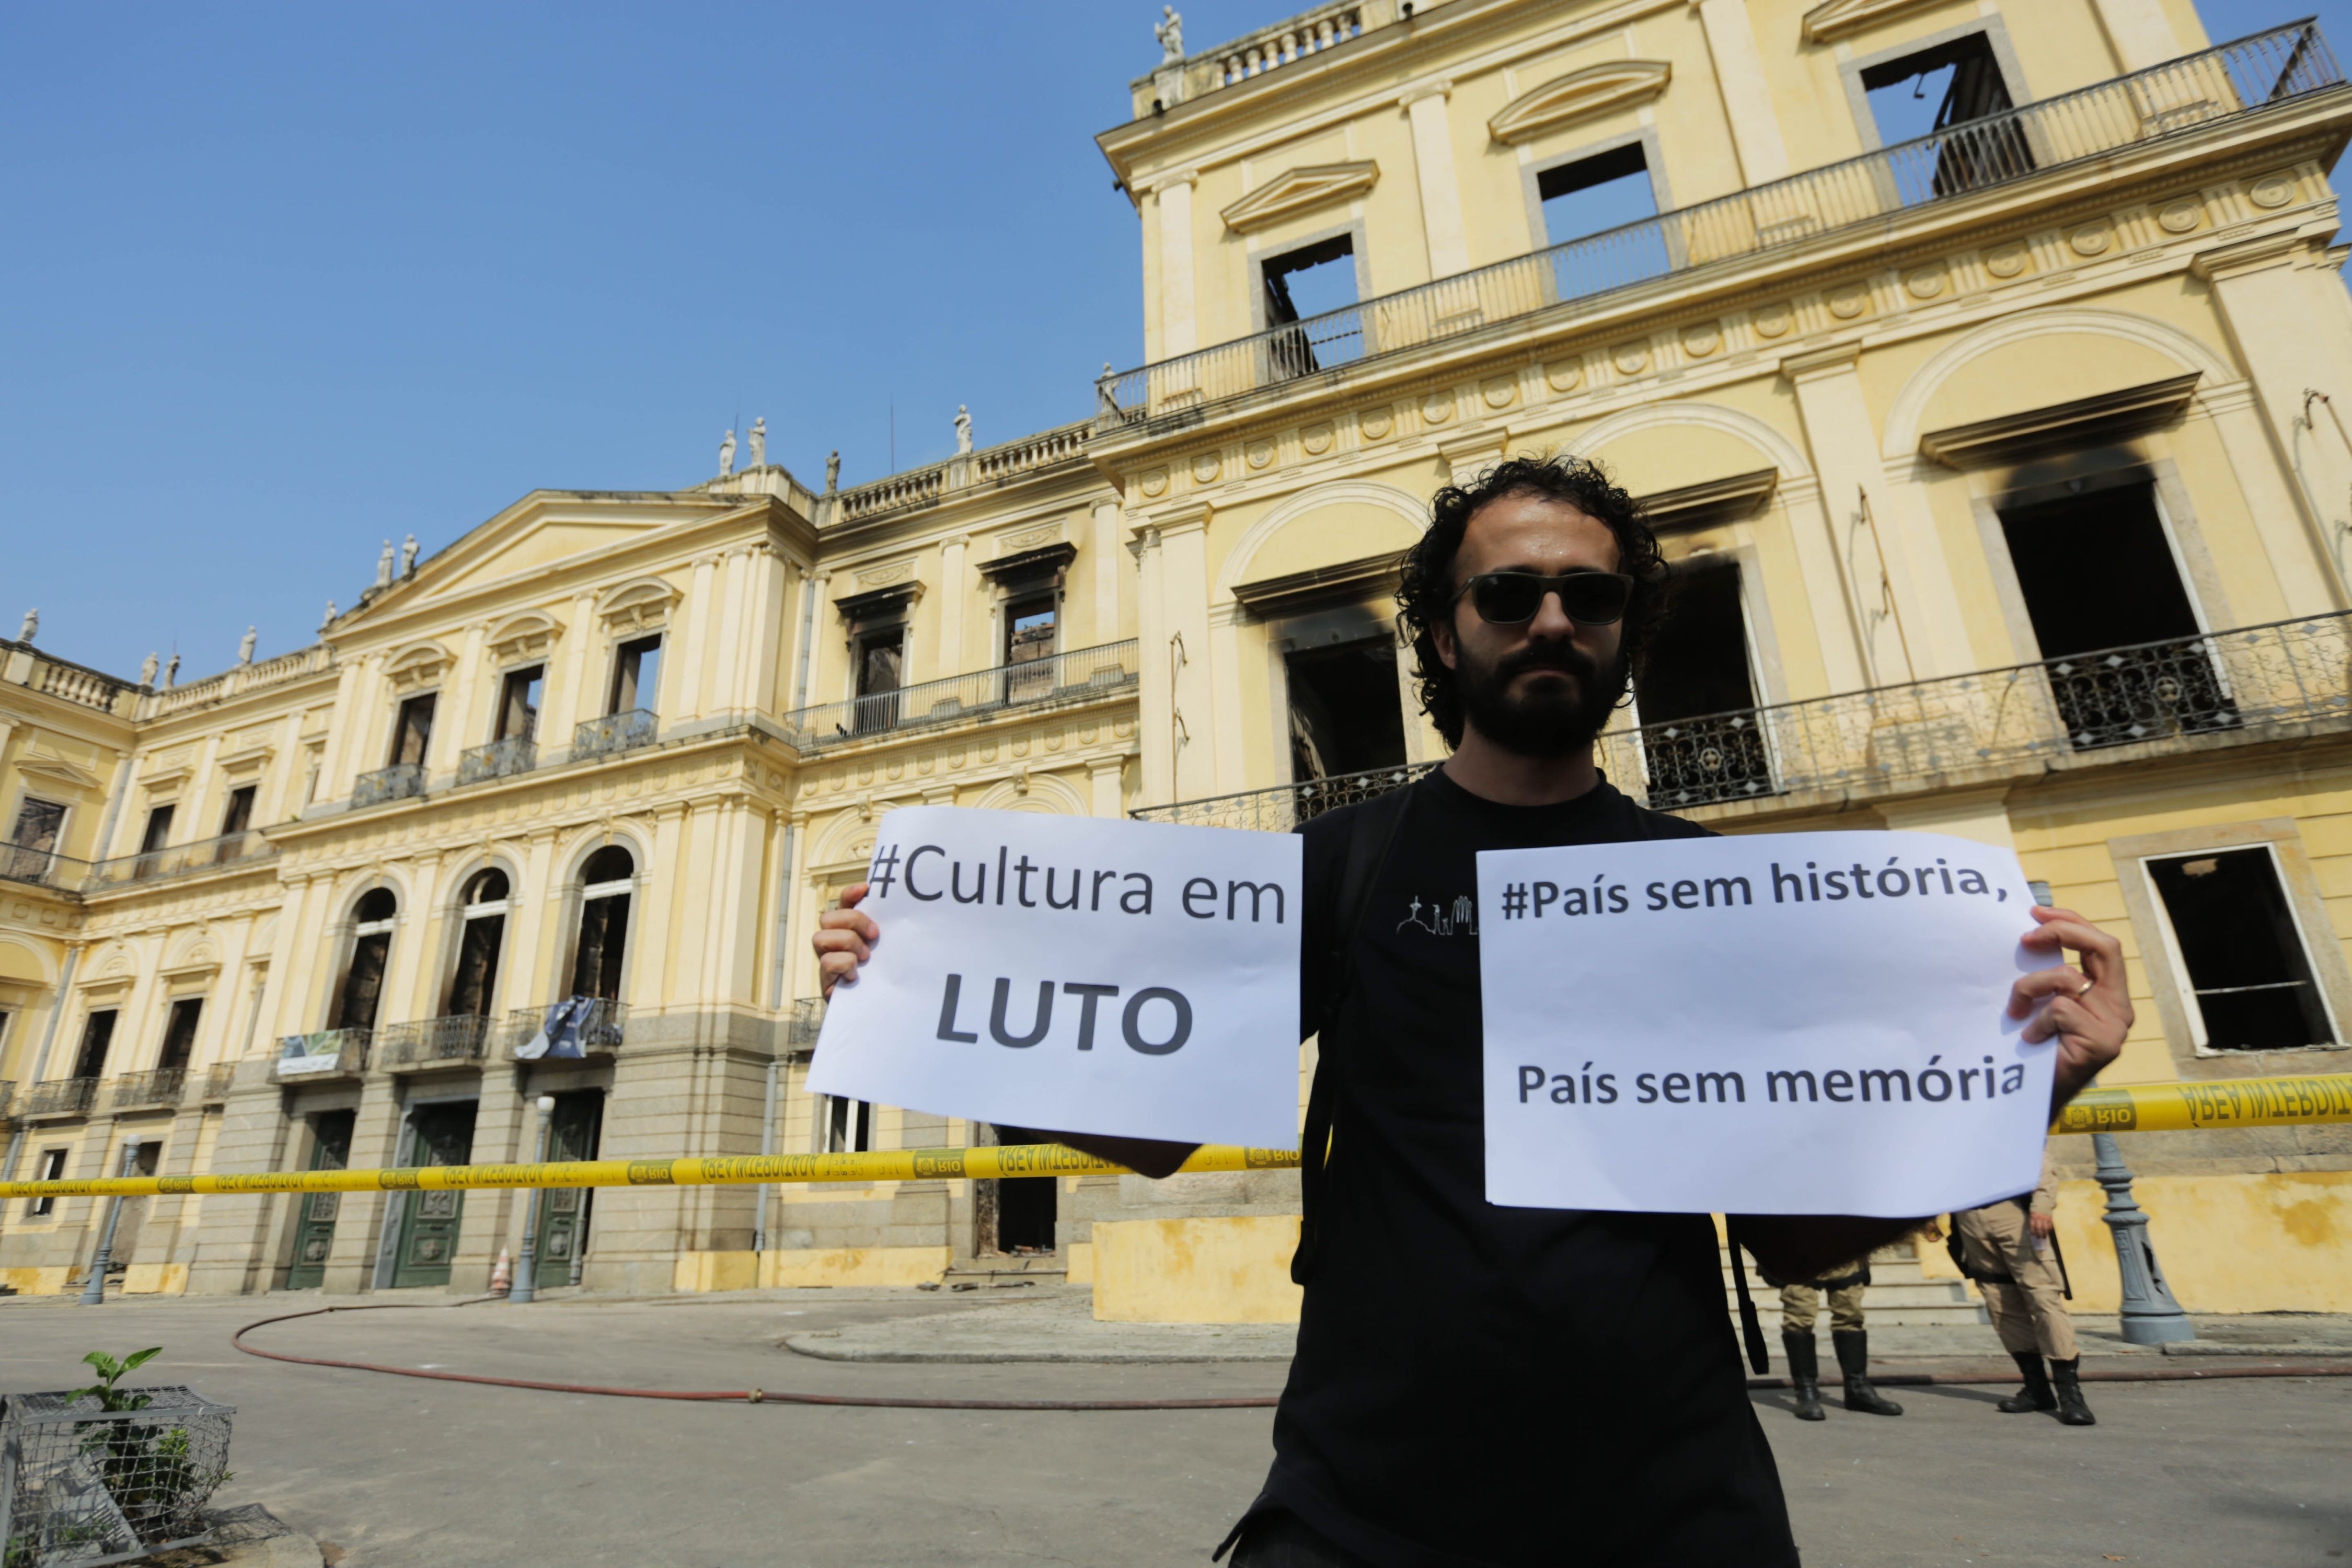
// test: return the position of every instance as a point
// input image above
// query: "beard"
(1551, 718)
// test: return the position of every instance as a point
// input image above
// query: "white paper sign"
(1802, 1023)
(1076, 975)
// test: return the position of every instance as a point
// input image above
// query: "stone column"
(953, 587)
(1927, 624)
(1225, 639)
(1103, 794)
(2293, 339)
(1184, 614)
(504, 1126)
(362, 1219)
(1105, 570)
(571, 692)
(462, 717)
(1179, 331)
(345, 721)
(238, 1233)
(1828, 593)
(1741, 78)
(701, 609)
(1155, 666)
(1441, 188)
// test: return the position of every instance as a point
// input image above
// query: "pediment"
(418, 664)
(1579, 95)
(1299, 190)
(543, 544)
(524, 634)
(544, 530)
(1842, 18)
(641, 601)
(57, 774)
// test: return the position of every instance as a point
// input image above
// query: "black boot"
(1804, 1373)
(1854, 1360)
(2072, 1411)
(2035, 1395)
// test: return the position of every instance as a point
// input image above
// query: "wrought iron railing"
(1075, 677)
(2233, 78)
(401, 781)
(614, 733)
(41, 867)
(157, 1085)
(451, 1041)
(324, 1053)
(601, 1029)
(2111, 705)
(499, 759)
(57, 1096)
(182, 859)
(212, 1084)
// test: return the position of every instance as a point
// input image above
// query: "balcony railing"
(182, 859)
(2234, 79)
(2125, 704)
(453, 1041)
(602, 1027)
(158, 1086)
(1077, 676)
(499, 759)
(325, 1053)
(212, 1085)
(57, 1096)
(612, 734)
(41, 867)
(401, 781)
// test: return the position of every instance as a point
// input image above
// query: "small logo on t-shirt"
(1438, 920)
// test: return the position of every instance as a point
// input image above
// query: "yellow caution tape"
(2141, 1108)
(902, 1165)
(2201, 1107)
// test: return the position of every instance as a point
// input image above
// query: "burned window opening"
(180, 1034)
(1346, 716)
(1305, 285)
(636, 676)
(1696, 697)
(412, 730)
(519, 696)
(2250, 975)
(97, 1035)
(1962, 79)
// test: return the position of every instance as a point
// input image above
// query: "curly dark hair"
(1425, 596)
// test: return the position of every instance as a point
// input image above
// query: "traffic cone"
(502, 1275)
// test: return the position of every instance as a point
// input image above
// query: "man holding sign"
(1477, 1382)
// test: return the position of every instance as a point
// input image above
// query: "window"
(372, 925)
(636, 676)
(1305, 284)
(180, 1034)
(31, 842)
(1029, 632)
(1599, 195)
(158, 831)
(879, 676)
(2097, 570)
(1697, 695)
(482, 917)
(412, 730)
(97, 1035)
(53, 1169)
(1939, 92)
(519, 696)
(2249, 973)
(1346, 715)
(597, 966)
(238, 814)
(848, 1126)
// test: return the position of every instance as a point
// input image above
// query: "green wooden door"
(572, 1134)
(314, 1232)
(440, 1135)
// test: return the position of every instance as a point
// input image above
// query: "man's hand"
(844, 938)
(2087, 1010)
(2040, 1224)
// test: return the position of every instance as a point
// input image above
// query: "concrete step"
(1900, 1295)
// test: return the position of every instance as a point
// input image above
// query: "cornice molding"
(1579, 95)
(2097, 420)
(1843, 18)
(1299, 190)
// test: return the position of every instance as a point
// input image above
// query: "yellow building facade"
(1978, 366)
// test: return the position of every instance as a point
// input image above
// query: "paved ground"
(398, 1473)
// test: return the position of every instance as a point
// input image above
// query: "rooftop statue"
(832, 471)
(245, 644)
(32, 624)
(329, 618)
(759, 443)
(963, 428)
(383, 566)
(147, 667)
(727, 454)
(408, 555)
(1171, 34)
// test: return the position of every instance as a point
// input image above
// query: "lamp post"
(2150, 1315)
(526, 1267)
(93, 1290)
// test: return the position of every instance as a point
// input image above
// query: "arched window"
(603, 922)
(482, 917)
(363, 987)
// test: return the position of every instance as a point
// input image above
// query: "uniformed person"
(2010, 1249)
(1800, 1309)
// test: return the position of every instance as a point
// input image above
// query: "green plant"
(111, 1371)
(149, 1471)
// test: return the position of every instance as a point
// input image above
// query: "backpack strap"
(1370, 838)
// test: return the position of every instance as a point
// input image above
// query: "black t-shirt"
(1486, 1386)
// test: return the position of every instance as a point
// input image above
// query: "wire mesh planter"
(81, 1485)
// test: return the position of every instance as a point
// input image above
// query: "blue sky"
(284, 281)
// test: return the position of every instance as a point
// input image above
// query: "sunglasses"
(1510, 598)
